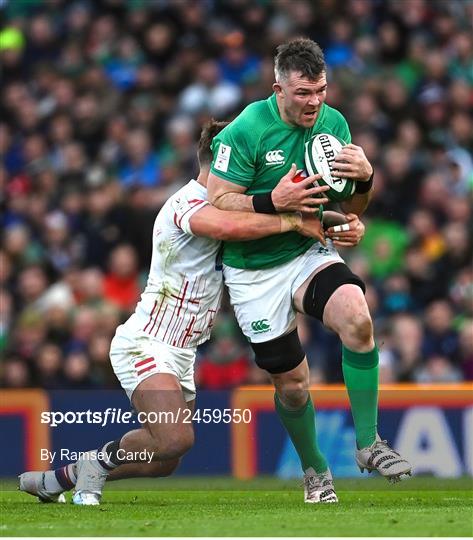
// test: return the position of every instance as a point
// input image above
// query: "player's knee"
(293, 392)
(293, 398)
(358, 332)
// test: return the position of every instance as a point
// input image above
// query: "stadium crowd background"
(101, 105)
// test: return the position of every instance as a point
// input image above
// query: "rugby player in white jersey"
(153, 352)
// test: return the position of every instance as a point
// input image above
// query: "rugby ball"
(320, 152)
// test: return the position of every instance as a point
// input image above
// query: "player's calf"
(155, 469)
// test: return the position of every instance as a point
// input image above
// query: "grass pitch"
(261, 507)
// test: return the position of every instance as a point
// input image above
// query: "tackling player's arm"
(287, 196)
(229, 225)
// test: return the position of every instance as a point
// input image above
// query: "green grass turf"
(261, 507)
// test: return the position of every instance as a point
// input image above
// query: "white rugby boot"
(380, 457)
(91, 478)
(318, 488)
(32, 482)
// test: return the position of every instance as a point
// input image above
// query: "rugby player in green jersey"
(272, 278)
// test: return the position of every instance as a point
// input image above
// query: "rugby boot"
(318, 488)
(33, 482)
(380, 457)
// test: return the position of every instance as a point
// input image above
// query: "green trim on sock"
(300, 426)
(292, 413)
(360, 360)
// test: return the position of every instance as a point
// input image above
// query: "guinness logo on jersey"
(275, 157)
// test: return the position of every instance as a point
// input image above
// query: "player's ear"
(277, 88)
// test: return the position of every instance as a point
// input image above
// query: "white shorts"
(135, 358)
(263, 299)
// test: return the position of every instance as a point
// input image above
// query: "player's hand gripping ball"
(320, 153)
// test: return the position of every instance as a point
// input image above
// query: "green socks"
(300, 425)
(360, 371)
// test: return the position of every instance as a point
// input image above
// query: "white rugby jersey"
(185, 282)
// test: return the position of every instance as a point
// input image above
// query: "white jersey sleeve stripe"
(181, 220)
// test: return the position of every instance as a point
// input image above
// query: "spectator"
(440, 339)
(466, 350)
(77, 375)
(121, 283)
(226, 362)
(141, 165)
(438, 369)
(210, 93)
(15, 373)
(101, 369)
(407, 336)
(48, 366)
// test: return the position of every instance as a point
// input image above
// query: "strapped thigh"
(279, 355)
(324, 284)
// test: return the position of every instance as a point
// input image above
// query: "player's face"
(300, 99)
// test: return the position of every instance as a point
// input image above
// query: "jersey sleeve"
(183, 209)
(342, 131)
(234, 155)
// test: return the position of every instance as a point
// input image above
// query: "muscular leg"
(160, 395)
(292, 387)
(167, 440)
(347, 314)
(155, 469)
(296, 412)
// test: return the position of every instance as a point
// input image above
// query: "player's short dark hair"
(302, 55)
(209, 131)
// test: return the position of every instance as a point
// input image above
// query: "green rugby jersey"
(256, 150)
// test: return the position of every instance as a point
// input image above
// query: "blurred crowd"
(101, 105)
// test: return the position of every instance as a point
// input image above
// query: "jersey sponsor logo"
(275, 157)
(223, 158)
(260, 326)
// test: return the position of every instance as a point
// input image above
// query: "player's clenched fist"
(352, 163)
(347, 234)
(289, 196)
